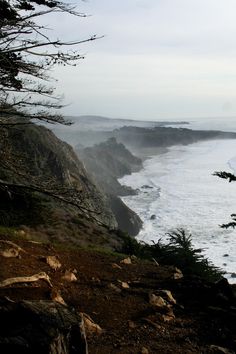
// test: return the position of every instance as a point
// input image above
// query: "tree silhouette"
(27, 54)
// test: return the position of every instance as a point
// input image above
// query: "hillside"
(126, 301)
(65, 284)
(35, 158)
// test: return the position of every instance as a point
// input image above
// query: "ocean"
(177, 189)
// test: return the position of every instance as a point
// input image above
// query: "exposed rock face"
(41, 327)
(107, 162)
(126, 218)
(40, 158)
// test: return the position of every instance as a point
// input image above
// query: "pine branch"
(225, 175)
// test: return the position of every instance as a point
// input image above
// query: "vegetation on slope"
(178, 251)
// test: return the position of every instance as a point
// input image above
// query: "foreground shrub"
(178, 251)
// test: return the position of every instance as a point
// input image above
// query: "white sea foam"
(184, 193)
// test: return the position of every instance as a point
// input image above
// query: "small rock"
(53, 262)
(10, 253)
(116, 266)
(146, 186)
(96, 280)
(144, 350)
(126, 261)
(177, 274)
(91, 328)
(114, 287)
(169, 317)
(69, 276)
(133, 258)
(219, 350)
(226, 255)
(56, 296)
(124, 285)
(153, 217)
(131, 324)
(233, 275)
(157, 301)
(167, 295)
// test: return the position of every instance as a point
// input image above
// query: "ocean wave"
(184, 193)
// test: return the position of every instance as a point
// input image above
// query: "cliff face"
(166, 136)
(106, 162)
(35, 156)
(137, 139)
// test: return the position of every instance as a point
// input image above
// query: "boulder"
(41, 327)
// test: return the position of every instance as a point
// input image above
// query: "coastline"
(195, 194)
(146, 153)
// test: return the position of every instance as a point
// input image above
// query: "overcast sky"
(159, 59)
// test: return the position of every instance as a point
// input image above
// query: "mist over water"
(227, 124)
(177, 189)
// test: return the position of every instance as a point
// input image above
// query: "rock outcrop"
(106, 162)
(41, 327)
(128, 221)
(35, 156)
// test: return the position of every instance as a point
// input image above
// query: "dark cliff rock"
(106, 162)
(41, 327)
(126, 218)
(37, 157)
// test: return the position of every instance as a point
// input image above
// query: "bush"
(178, 252)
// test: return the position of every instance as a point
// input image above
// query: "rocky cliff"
(139, 138)
(34, 156)
(106, 162)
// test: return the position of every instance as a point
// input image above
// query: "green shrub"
(178, 251)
